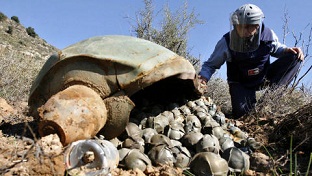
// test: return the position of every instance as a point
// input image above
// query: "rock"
(260, 162)
(5, 109)
(51, 145)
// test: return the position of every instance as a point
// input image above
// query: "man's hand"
(202, 84)
(296, 50)
(202, 79)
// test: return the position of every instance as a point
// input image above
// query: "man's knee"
(283, 70)
(242, 99)
(237, 113)
(241, 110)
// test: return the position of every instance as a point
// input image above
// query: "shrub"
(10, 30)
(31, 32)
(218, 90)
(2, 16)
(15, 18)
(173, 31)
(280, 101)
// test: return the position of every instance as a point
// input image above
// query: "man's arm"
(280, 49)
(220, 54)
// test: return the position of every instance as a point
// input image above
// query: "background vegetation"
(171, 31)
(22, 55)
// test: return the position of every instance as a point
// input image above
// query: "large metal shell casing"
(108, 64)
(110, 70)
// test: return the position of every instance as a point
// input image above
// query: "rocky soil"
(23, 152)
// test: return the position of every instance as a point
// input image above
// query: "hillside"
(21, 58)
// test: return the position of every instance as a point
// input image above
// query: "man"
(246, 49)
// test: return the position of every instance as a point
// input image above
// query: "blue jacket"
(250, 68)
(222, 54)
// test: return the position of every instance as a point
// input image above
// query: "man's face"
(246, 30)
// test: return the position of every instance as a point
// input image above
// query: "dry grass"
(17, 73)
(18, 70)
(270, 102)
(280, 101)
(21, 57)
(218, 90)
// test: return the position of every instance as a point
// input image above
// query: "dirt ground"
(22, 152)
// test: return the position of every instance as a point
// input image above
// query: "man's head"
(247, 14)
(246, 22)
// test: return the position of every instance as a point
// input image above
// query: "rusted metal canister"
(75, 113)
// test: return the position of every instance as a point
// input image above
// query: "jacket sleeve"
(220, 54)
(278, 48)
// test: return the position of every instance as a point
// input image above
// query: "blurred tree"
(15, 18)
(31, 31)
(303, 39)
(2, 16)
(173, 30)
(10, 30)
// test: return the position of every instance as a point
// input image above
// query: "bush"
(218, 90)
(173, 31)
(31, 32)
(15, 18)
(279, 101)
(2, 16)
(10, 30)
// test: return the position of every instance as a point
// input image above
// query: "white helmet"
(242, 39)
(247, 14)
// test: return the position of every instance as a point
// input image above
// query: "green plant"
(2, 16)
(310, 161)
(274, 172)
(22, 42)
(187, 172)
(15, 18)
(295, 166)
(10, 30)
(293, 162)
(291, 156)
(31, 32)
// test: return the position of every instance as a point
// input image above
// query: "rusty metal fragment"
(75, 113)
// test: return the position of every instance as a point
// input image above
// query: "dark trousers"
(280, 72)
